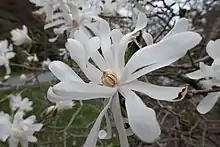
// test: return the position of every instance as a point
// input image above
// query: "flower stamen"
(109, 78)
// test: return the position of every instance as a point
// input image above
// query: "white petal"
(172, 47)
(32, 139)
(181, 25)
(92, 73)
(106, 42)
(24, 143)
(94, 44)
(141, 118)
(63, 72)
(158, 92)
(13, 142)
(54, 97)
(77, 52)
(212, 49)
(141, 21)
(116, 36)
(99, 61)
(147, 37)
(207, 70)
(149, 69)
(93, 135)
(208, 102)
(54, 23)
(116, 110)
(198, 74)
(122, 46)
(83, 91)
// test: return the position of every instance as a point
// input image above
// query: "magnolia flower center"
(75, 24)
(109, 78)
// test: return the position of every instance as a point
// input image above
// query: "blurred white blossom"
(18, 130)
(5, 126)
(17, 103)
(20, 36)
(22, 130)
(6, 53)
(33, 58)
(45, 63)
(212, 72)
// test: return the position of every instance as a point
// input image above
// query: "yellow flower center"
(109, 78)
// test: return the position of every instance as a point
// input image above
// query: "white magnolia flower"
(33, 58)
(47, 6)
(6, 53)
(71, 18)
(207, 71)
(17, 103)
(45, 63)
(110, 7)
(19, 129)
(22, 130)
(111, 76)
(20, 36)
(5, 126)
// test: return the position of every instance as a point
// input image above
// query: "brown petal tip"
(182, 94)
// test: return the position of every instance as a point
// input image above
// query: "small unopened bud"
(51, 110)
(23, 77)
(35, 59)
(6, 77)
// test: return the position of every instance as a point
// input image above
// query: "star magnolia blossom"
(111, 76)
(17, 103)
(73, 19)
(207, 71)
(20, 36)
(47, 6)
(6, 53)
(19, 130)
(112, 7)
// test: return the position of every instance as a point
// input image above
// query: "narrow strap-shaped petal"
(198, 74)
(77, 51)
(116, 110)
(164, 93)
(147, 69)
(83, 91)
(93, 135)
(106, 42)
(208, 102)
(122, 46)
(147, 37)
(181, 25)
(142, 119)
(170, 48)
(93, 73)
(54, 23)
(63, 72)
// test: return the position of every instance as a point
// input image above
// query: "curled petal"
(93, 135)
(142, 119)
(164, 93)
